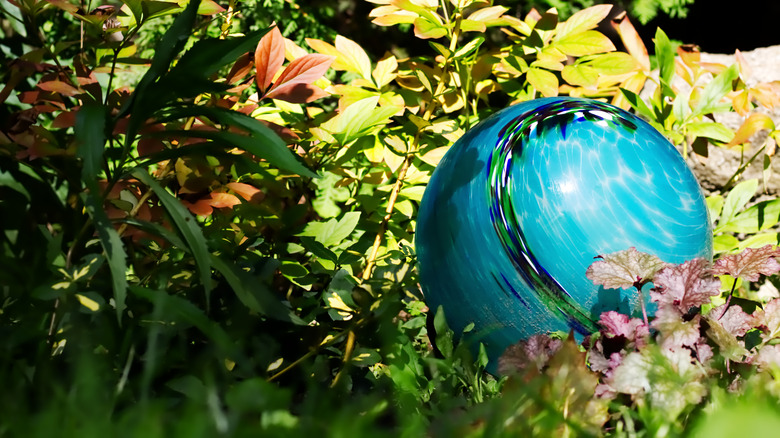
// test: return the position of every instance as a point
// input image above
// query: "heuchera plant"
(669, 362)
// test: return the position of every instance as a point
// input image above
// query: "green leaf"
(318, 249)
(736, 199)
(332, 232)
(113, 247)
(470, 47)
(638, 104)
(359, 119)
(724, 243)
(91, 139)
(716, 90)
(153, 9)
(187, 226)
(712, 130)
(253, 293)
(714, 206)
(664, 53)
(444, 336)
(759, 217)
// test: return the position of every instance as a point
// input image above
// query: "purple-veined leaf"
(684, 286)
(619, 325)
(624, 269)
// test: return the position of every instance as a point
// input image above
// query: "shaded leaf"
(536, 351)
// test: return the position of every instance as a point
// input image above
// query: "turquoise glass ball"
(519, 207)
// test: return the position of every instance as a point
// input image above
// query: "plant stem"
(347, 356)
(411, 153)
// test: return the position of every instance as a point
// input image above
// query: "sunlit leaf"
(353, 57)
(586, 43)
(269, 57)
(580, 74)
(544, 81)
(715, 91)
(749, 264)
(583, 20)
(300, 73)
(755, 123)
(426, 29)
(624, 269)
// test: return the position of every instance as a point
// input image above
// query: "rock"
(720, 164)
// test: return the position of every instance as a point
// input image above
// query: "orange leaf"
(752, 125)
(302, 71)
(246, 191)
(269, 57)
(744, 68)
(690, 55)
(741, 103)
(631, 40)
(201, 207)
(223, 200)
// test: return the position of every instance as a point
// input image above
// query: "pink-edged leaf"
(269, 57)
(733, 319)
(684, 286)
(536, 350)
(601, 364)
(624, 269)
(301, 71)
(674, 331)
(618, 325)
(750, 263)
(246, 191)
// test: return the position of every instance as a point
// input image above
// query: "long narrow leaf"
(91, 138)
(269, 57)
(112, 245)
(186, 225)
(270, 148)
(253, 293)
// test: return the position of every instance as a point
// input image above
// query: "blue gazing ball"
(519, 207)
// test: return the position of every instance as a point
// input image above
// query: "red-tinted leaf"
(202, 207)
(684, 286)
(535, 351)
(240, 68)
(59, 87)
(301, 71)
(269, 57)
(750, 263)
(624, 269)
(66, 119)
(299, 93)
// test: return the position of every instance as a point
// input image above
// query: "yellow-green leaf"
(715, 131)
(89, 303)
(353, 57)
(586, 43)
(583, 20)
(544, 81)
(425, 29)
(581, 75)
(616, 63)
(385, 71)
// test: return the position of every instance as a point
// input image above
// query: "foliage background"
(205, 221)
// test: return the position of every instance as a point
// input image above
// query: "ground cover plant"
(208, 229)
